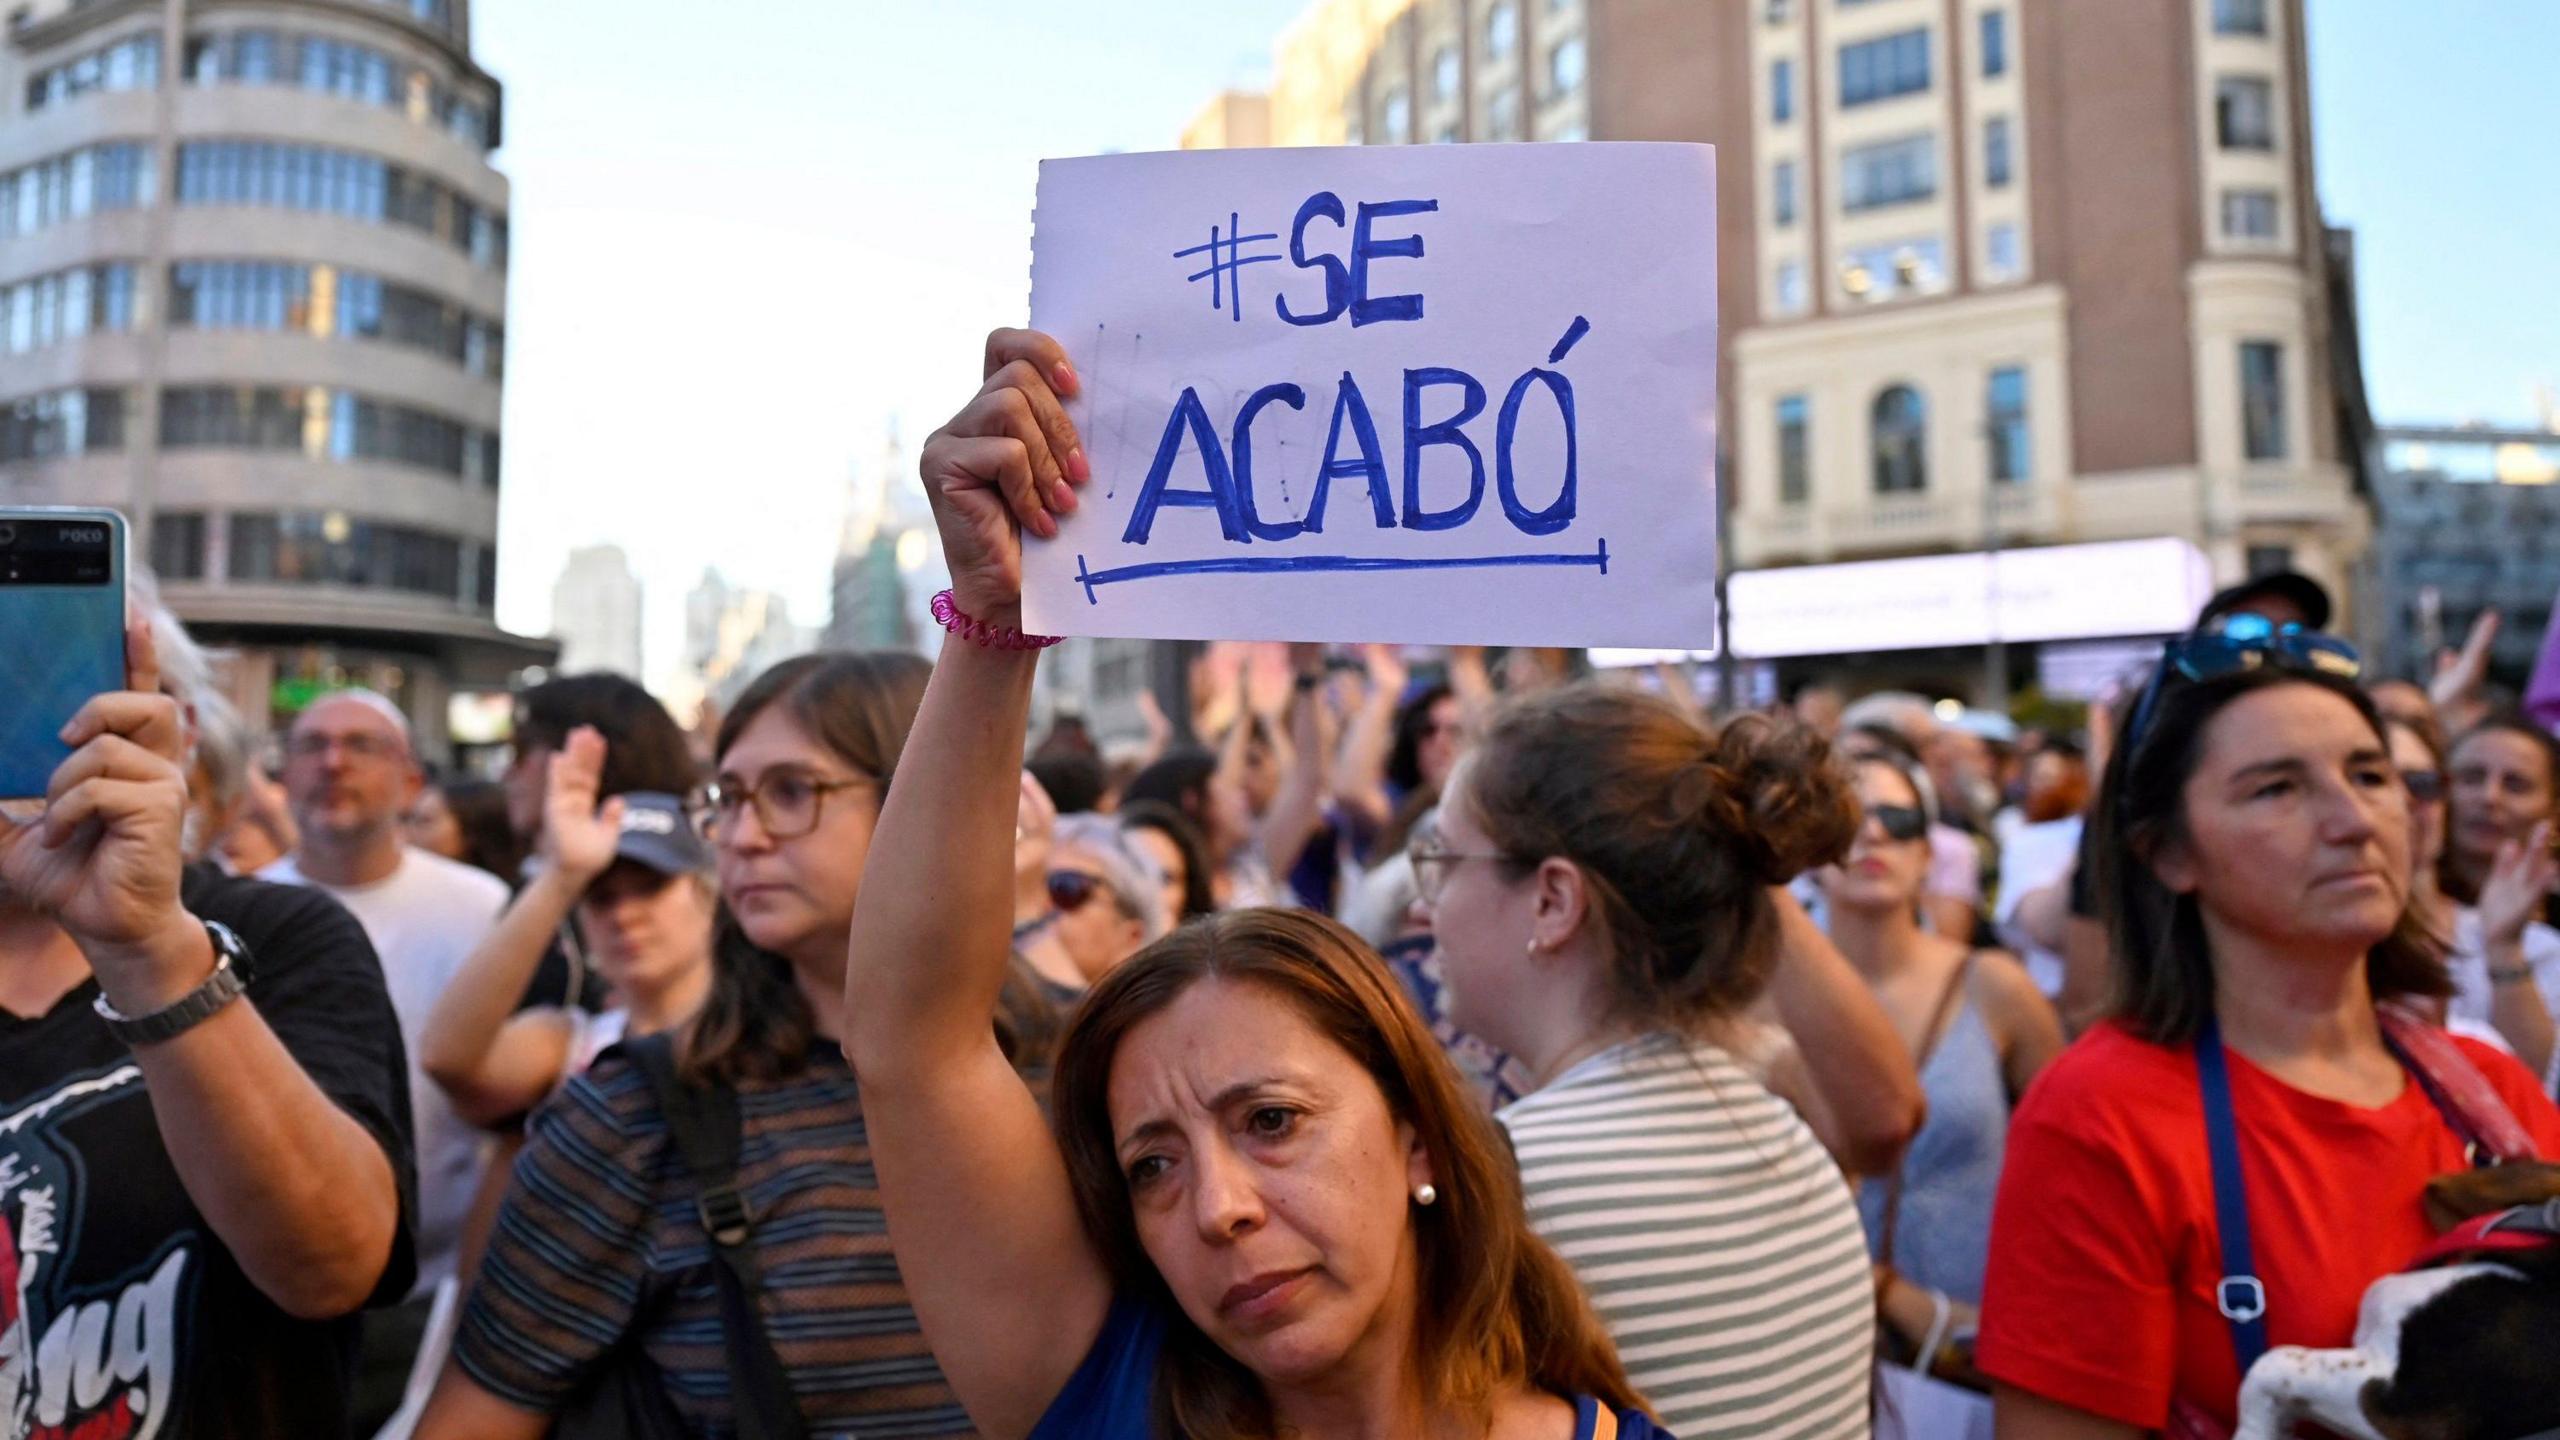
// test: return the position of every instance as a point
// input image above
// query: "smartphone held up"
(62, 621)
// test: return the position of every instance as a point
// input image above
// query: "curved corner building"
(253, 260)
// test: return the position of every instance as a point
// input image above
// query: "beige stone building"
(252, 292)
(1992, 273)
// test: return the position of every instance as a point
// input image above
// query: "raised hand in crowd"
(492, 1067)
(2461, 682)
(2511, 899)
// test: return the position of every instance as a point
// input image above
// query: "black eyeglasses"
(2425, 786)
(2241, 642)
(1900, 822)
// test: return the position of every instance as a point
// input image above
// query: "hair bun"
(1786, 805)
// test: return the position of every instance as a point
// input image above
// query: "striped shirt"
(598, 1240)
(1717, 1239)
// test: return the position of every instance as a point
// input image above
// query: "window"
(77, 183)
(2268, 560)
(1502, 115)
(1791, 292)
(2005, 405)
(1395, 118)
(338, 182)
(1565, 68)
(2000, 260)
(2261, 400)
(1782, 91)
(60, 423)
(1445, 74)
(1575, 133)
(1900, 422)
(1795, 445)
(328, 302)
(1501, 31)
(1447, 134)
(177, 544)
(1904, 267)
(2249, 215)
(323, 424)
(1884, 67)
(1889, 172)
(2239, 17)
(2244, 113)
(132, 63)
(1995, 152)
(310, 547)
(1995, 44)
(339, 68)
(1782, 193)
(65, 305)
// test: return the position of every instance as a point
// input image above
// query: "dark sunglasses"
(2425, 786)
(2241, 642)
(1900, 822)
(1070, 889)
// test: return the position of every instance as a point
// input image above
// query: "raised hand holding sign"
(1419, 394)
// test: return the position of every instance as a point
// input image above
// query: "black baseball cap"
(657, 833)
(2298, 590)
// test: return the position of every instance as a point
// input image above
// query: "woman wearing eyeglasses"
(1980, 1031)
(2230, 1160)
(1601, 886)
(601, 1254)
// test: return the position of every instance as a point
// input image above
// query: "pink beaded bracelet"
(948, 614)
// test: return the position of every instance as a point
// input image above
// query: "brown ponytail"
(1679, 830)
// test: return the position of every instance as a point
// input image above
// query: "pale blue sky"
(747, 236)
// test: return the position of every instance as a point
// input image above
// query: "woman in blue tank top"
(1980, 1029)
(1269, 1206)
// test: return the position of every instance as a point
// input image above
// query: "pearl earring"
(1425, 1193)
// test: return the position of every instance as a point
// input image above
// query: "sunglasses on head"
(2240, 642)
(1070, 889)
(1900, 822)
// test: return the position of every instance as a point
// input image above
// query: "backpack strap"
(704, 1125)
(2240, 1295)
(2470, 1105)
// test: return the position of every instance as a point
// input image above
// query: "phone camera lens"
(8, 535)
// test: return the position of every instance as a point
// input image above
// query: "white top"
(424, 921)
(1717, 1240)
(2469, 965)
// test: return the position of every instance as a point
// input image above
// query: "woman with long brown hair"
(602, 1263)
(1268, 1208)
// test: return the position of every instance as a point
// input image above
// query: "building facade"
(253, 293)
(1991, 273)
(595, 612)
(2470, 521)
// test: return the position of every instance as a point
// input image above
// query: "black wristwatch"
(228, 982)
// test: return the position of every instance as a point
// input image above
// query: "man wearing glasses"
(350, 776)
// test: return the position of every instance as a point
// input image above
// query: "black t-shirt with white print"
(122, 1314)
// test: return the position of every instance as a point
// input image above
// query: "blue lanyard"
(2240, 1295)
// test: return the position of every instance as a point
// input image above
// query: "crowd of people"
(1441, 1045)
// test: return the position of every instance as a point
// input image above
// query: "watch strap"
(228, 982)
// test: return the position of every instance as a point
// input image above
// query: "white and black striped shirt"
(1717, 1238)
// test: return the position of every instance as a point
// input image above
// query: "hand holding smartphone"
(62, 624)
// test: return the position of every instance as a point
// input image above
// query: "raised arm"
(1010, 1291)
(1297, 811)
(493, 1063)
(1360, 775)
(1855, 1059)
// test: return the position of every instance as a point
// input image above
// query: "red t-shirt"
(2104, 1252)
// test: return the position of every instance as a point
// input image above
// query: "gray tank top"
(1943, 1239)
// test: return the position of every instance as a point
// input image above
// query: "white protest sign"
(1443, 394)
